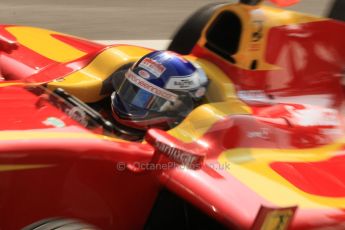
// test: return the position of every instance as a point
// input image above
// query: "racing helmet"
(157, 91)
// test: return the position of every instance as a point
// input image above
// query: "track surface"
(115, 19)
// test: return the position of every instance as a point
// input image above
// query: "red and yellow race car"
(265, 149)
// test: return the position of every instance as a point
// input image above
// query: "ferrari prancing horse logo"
(274, 218)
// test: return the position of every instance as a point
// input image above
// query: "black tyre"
(60, 224)
(189, 33)
(338, 10)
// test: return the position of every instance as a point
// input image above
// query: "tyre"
(60, 224)
(189, 33)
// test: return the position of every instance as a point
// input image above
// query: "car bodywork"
(265, 150)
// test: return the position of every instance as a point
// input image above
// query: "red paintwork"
(80, 44)
(27, 113)
(22, 63)
(59, 70)
(7, 41)
(303, 176)
(83, 183)
(25, 64)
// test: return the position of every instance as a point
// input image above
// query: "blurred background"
(117, 19)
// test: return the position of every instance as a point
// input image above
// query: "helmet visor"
(138, 92)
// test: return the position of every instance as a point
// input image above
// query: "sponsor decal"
(253, 95)
(185, 158)
(257, 34)
(144, 74)
(187, 82)
(54, 121)
(143, 84)
(152, 66)
(263, 133)
(183, 83)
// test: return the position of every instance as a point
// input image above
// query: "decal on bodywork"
(54, 121)
(274, 218)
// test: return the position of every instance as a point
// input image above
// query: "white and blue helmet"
(158, 91)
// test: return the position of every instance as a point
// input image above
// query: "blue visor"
(133, 95)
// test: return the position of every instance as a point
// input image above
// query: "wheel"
(189, 33)
(60, 224)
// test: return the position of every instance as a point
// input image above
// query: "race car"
(265, 150)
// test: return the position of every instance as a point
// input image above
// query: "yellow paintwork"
(41, 41)
(34, 135)
(251, 167)
(19, 167)
(86, 83)
(250, 50)
(5, 84)
(222, 101)
(198, 122)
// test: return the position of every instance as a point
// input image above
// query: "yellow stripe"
(6, 168)
(222, 99)
(5, 84)
(86, 83)
(41, 41)
(251, 167)
(200, 120)
(32, 135)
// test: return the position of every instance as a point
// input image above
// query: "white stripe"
(153, 44)
(143, 84)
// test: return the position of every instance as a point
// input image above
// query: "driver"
(158, 91)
